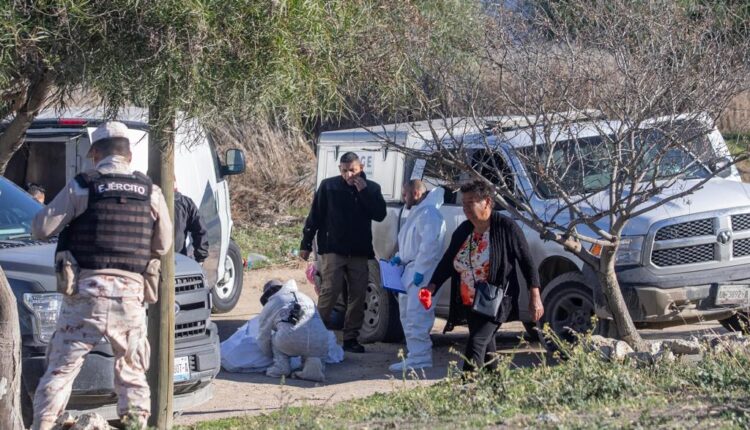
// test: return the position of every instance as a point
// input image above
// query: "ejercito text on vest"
(115, 230)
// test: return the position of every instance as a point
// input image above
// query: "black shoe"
(353, 346)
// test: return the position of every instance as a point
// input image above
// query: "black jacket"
(188, 220)
(342, 218)
(508, 247)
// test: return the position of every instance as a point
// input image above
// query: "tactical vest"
(115, 230)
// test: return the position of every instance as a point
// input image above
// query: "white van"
(661, 286)
(54, 151)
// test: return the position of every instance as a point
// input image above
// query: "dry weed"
(280, 172)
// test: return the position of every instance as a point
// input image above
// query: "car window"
(583, 165)
(433, 175)
(17, 209)
(492, 165)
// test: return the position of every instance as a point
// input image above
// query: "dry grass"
(280, 176)
(736, 117)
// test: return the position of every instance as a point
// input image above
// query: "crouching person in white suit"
(420, 244)
(289, 326)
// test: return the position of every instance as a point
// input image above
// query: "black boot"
(353, 346)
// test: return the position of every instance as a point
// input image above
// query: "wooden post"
(10, 359)
(161, 318)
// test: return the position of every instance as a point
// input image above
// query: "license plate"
(733, 295)
(181, 369)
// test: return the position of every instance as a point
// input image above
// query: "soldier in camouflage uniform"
(114, 222)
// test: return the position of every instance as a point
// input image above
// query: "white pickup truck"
(683, 262)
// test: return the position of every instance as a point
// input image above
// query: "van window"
(17, 209)
(33, 163)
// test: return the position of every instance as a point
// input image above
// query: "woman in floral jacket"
(485, 248)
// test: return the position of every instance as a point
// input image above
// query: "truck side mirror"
(720, 166)
(235, 163)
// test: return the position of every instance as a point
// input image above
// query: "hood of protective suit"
(421, 239)
(288, 287)
(275, 316)
(274, 287)
(434, 199)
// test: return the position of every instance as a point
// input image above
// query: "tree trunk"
(10, 139)
(161, 315)
(616, 302)
(10, 359)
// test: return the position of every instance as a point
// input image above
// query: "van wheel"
(226, 293)
(569, 307)
(738, 322)
(382, 322)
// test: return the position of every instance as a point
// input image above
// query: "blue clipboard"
(390, 276)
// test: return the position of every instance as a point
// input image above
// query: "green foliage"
(276, 241)
(727, 373)
(738, 143)
(580, 392)
(288, 59)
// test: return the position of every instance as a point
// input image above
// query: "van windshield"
(17, 209)
(584, 165)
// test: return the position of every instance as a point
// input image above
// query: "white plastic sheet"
(240, 352)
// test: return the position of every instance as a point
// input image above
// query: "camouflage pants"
(83, 321)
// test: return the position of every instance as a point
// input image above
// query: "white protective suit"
(420, 244)
(277, 337)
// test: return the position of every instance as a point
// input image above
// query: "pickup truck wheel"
(227, 291)
(569, 307)
(738, 322)
(382, 322)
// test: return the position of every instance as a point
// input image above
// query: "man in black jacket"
(187, 220)
(341, 215)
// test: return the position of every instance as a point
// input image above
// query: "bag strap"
(471, 266)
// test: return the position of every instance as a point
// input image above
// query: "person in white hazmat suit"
(289, 326)
(420, 244)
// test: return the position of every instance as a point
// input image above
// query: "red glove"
(425, 298)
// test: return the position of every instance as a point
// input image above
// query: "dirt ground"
(359, 375)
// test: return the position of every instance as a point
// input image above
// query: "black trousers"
(481, 345)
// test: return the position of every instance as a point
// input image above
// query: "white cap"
(109, 130)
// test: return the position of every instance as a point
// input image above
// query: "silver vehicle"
(680, 263)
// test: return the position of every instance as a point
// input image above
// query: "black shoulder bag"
(488, 298)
